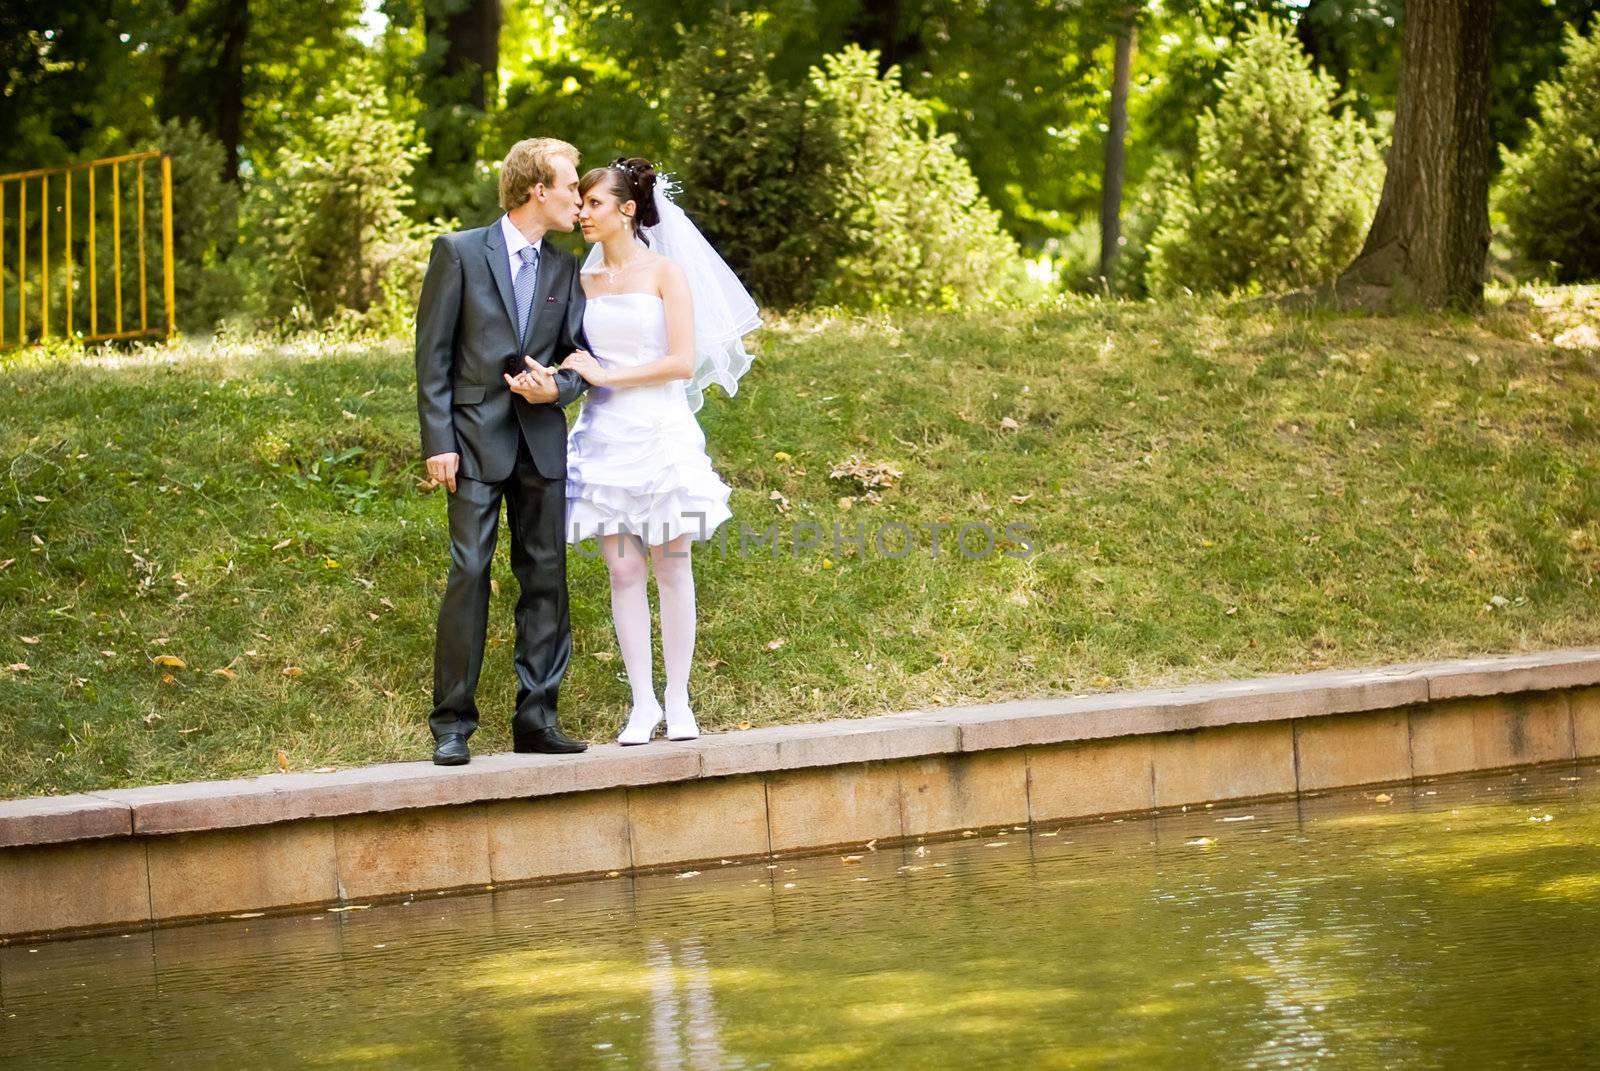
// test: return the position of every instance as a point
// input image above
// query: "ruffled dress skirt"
(636, 456)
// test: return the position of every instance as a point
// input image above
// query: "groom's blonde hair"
(531, 162)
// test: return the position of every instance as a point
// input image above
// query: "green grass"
(1215, 489)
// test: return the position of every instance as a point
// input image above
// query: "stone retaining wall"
(124, 858)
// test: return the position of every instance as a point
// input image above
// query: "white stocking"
(675, 590)
(630, 611)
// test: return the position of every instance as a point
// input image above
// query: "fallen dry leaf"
(37, 541)
(225, 673)
(151, 720)
(281, 544)
(293, 671)
(1017, 500)
(850, 860)
(385, 603)
(1382, 797)
(8, 563)
(168, 660)
(781, 455)
(1009, 424)
(773, 645)
(30, 640)
(40, 498)
(282, 759)
(167, 678)
(745, 725)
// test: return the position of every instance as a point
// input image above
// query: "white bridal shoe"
(680, 724)
(642, 722)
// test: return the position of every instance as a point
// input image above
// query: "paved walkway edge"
(142, 856)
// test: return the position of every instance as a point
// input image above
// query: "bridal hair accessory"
(724, 312)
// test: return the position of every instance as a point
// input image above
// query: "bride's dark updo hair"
(628, 179)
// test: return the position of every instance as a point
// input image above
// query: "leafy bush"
(327, 226)
(1282, 191)
(1550, 191)
(923, 234)
(762, 166)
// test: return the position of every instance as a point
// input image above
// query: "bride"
(665, 318)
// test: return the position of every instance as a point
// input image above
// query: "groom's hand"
(442, 468)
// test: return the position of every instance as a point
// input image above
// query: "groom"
(498, 301)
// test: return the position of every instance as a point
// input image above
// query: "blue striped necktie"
(526, 282)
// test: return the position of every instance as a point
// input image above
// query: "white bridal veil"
(723, 309)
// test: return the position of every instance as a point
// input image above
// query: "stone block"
(412, 851)
(252, 869)
(557, 836)
(942, 793)
(838, 743)
(53, 887)
(1352, 749)
(57, 819)
(724, 818)
(1490, 732)
(1090, 777)
(1585, 705)
(396, 786)
(1498, 675)
(1233, 762)
(833, 805)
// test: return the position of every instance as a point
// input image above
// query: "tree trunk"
(1431, 232)
(470, 30)
(231, 85)
(1116, 138)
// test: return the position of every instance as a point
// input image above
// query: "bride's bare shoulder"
(665, 272)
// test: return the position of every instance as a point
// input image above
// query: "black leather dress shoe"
(451, 750)
(549, 741)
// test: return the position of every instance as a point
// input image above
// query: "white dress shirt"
(516, 242)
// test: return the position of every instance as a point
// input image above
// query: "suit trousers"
(535, 516)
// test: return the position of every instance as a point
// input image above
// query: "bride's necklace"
(612, 273)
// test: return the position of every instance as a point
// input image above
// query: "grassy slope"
(1215, 490)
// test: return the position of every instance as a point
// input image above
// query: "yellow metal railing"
(37, 204)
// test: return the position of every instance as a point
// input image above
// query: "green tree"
(328, 229)
(762, 166)
(1551, 189)
(1281, 189)
(922, 232)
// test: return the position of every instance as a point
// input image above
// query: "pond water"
(1454, 923)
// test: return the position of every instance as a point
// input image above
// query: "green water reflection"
(1453, 925)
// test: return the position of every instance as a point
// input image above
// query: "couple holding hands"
(510, 330)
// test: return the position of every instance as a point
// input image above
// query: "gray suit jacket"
(467, 336)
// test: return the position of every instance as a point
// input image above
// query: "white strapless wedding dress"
(636, 457)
